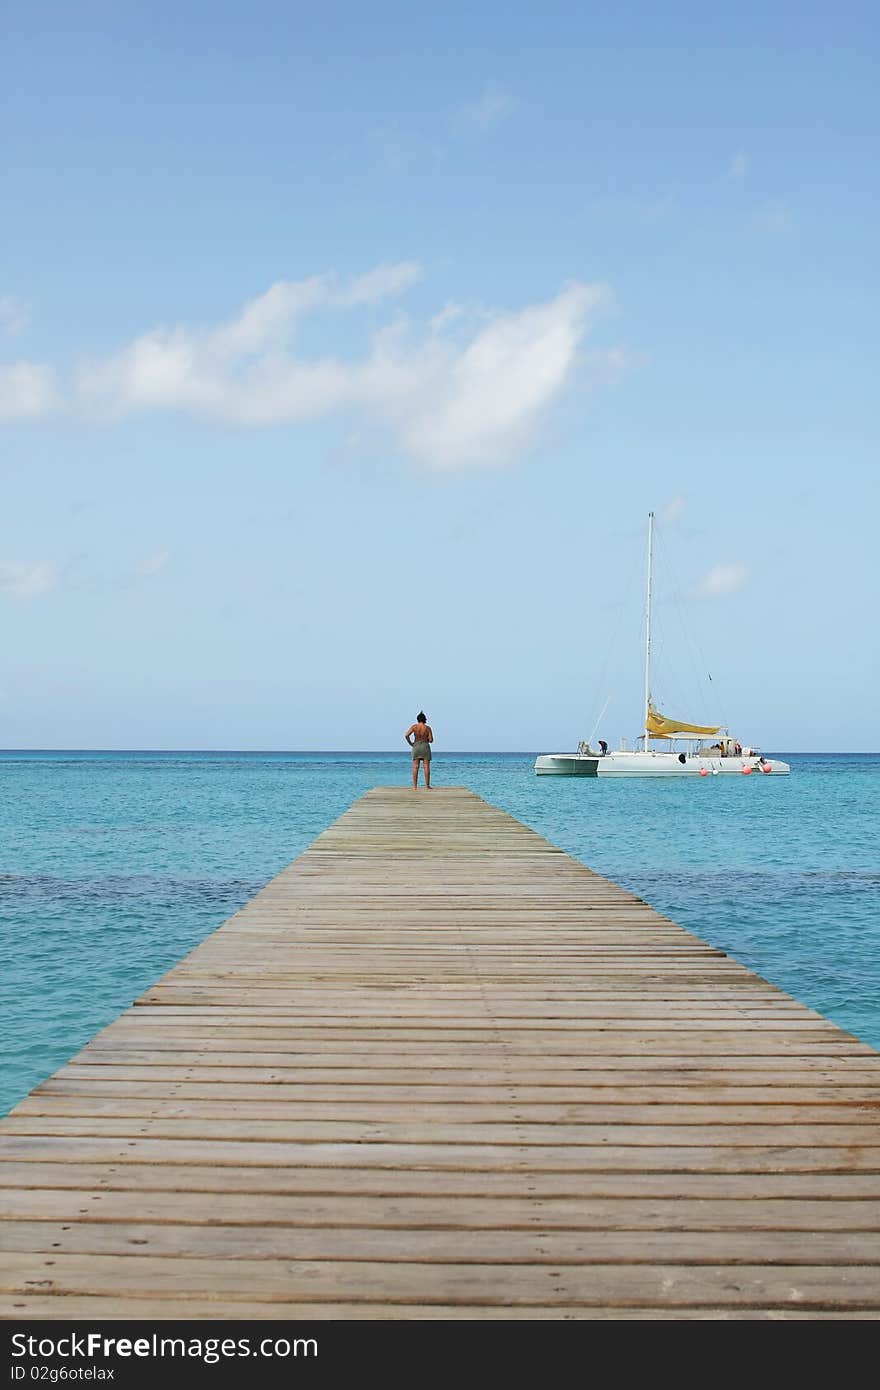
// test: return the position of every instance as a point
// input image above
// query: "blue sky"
(344, 350)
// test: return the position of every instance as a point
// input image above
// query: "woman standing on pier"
(420, 736)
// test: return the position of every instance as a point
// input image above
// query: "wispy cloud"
(467, 388)
(482, 403)
(27, 391)
(378, 284)
(450, 313)
(14, 315)
(673, 510)
(775, 217)
(477, 117)
(453, 395)
(19, 581)
(150, 565)
(240, 372)
(721, 580)
(739, 165)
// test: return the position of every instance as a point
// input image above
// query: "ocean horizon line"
(374, 752)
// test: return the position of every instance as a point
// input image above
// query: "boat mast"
(648, 625)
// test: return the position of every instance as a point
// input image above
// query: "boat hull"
(566, 765)
(670, 765)
(640, 764)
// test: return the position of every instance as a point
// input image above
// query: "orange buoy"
(765, 767)
(704, 772)
(747, 770)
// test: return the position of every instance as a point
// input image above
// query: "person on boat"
(603, 747)
(420, 736)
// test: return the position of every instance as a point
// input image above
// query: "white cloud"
(466, 388)
(450, 313)
(239, 372)
(378, 284)
(739, 166)
(26, 580)
(153, 564)
(450, 401)
(14, 315)
(475, 118)
(27, 390)
(484, 402)
(721, 580)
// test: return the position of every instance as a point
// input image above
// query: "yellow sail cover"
(660, 726)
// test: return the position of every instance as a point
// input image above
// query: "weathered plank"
(344, 1212)
(383, 1283)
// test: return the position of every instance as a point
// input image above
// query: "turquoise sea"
(113, 865)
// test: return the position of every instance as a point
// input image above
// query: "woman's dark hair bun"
(422, 717)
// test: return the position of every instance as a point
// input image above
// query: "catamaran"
(685, 751)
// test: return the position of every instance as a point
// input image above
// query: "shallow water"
(113, 865)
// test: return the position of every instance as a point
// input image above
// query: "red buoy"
(765, 767)
(747, 770)
(704, 772)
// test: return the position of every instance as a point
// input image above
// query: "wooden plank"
(395, 1245)
(384, 1284)
(342, 1212)
(101, 1176)
(430, 1158)
(629, 1091)
(441, 1116)
(437, 1068)
(74, 1306)
(552, 1140)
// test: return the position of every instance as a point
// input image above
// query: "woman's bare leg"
(427, 766)
(415, 772)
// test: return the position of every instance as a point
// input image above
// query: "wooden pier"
(438, 1069)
